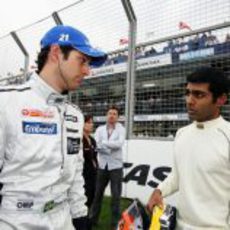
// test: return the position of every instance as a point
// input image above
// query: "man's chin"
(192, 117)
(74, 87)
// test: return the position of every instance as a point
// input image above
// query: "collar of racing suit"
(209, 123)
(46, 91)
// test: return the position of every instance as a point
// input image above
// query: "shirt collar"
(46, 91)
(208, 124)
(111, 127)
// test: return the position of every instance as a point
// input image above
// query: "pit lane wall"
(146, 164)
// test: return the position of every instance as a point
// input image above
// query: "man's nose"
(190, 99)
(87, 71)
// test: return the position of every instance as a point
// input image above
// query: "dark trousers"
(103, 178)
(90, 188)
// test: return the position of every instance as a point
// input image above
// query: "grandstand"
(159, 108)
(164, 55)
(161, 66)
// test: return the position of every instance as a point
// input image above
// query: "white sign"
(196, 54)
(144, 63)
(150, 117)
(159, 60)
(162, 117)
(146, 164)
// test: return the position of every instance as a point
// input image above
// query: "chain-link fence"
(104, 25)
(173, 38)
(179, 36)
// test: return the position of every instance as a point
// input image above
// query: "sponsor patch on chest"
(37, 113)
(71, 118)
(39, 128)
(73, 145)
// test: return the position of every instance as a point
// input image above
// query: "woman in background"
(90, 157)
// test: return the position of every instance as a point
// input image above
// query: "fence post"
(130, 80)
(56, 18)
(24, 51)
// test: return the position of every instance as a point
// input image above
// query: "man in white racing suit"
(41, 184)
(201, 166)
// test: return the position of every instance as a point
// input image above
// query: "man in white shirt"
(110, 139)
(201, 166)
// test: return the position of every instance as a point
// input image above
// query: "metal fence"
(103, 23)
(172, 38)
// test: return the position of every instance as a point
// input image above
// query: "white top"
(109, 146)
(40, 146)
(201, 174)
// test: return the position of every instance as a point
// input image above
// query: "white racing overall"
(40, 159)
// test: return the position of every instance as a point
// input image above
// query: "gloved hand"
(80, 223)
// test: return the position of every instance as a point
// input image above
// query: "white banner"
(196, 54)
(146, 164)
(150, 117)
(159, 60)
(162, 117)
(144, 63)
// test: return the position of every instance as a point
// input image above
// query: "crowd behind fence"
(159, 108)
(161, 63)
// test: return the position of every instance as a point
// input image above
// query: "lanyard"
(109, 132)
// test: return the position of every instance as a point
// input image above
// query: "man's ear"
(54, 52)
(221, 100)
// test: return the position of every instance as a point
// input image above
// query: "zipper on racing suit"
(62, 119)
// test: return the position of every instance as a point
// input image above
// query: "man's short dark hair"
(114, 107)
(217, 79)
(43, 56)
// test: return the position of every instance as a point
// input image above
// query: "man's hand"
(155, 199)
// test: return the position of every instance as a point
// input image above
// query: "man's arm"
(166, 188)
(169, 186)
(115, 144)
(76, 192)
(101, 148)
(77, 198)
(155, 199)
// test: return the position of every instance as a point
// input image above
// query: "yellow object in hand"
(155, 220)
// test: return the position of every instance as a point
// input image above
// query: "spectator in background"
(170, 47)
(227, 39)
(90, 160)
(150, 52)
(177, 45)
(195, 42)
(120, 57)
(110, 139)
(203, 41)
(140, 52)
(211, 39)
(183, 45)
(201, 165)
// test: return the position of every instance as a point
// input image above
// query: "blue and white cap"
(68, 36)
